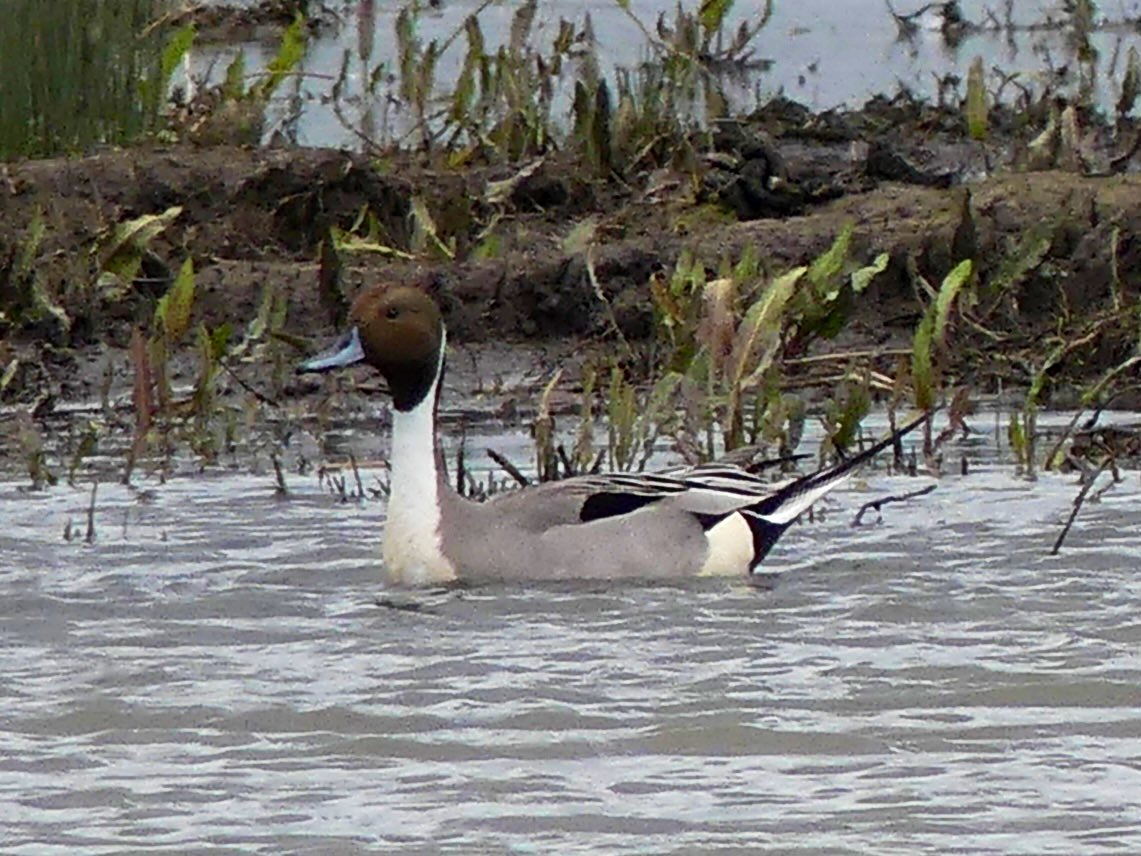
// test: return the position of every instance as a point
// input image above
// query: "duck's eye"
(392, 314)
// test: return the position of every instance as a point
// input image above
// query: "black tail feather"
(801, 486)
(760, 517)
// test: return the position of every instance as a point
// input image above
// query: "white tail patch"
(730, 548)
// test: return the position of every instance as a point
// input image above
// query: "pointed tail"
(770, 517)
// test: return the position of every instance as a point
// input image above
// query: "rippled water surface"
(214, 674)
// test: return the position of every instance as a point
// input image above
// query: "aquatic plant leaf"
(279, 309)
(862, 277)
(347, 242)
(584, 436)
(600, 128)
(44, 305)
(547, 449)
(931, 333)
(1031, 251)
(668, 308)
(289, 55)
(1094, 393)
(29, 297)
(173, 310)
(717, 329)
(424, 235)
(1041, 152)
(1070, 140)
(256, 329)
(31, 443)
(1130, 83)
(491, 247)
(123, 253)
(499, 192)
(581, 113)
(464, 91)
(922, 365)
(846, 415)
(1016, 436)
(1038, 382)
(174, 52)
(821, 308)
(9, 373)
(976, 108)
(824, 273)
(948, 291)
(406, 43)
(621, 418)
(476, 46)
(715, 100)
(201, 398)
(712, 13)
(749, 265)
(83, 450)
(234, 84)
(759, 335)
(425, 79)
(220, 339)
(30, 246)
(662, 394)
(755, 347)
(330, 290)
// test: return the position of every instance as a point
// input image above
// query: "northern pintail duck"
(713, 519)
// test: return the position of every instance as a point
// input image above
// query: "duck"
(715, 519)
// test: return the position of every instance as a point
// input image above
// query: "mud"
(265, 19)
(784, 183)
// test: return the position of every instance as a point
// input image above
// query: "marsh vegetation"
(542, 192)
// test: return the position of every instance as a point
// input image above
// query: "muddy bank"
(508, 246)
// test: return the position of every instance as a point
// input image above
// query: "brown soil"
(250, 217)
(237, 23)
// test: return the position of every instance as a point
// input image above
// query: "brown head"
(399, 332)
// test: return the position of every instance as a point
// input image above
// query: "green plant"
(501, 105)
(717, 373)
(234, 110)
(931, 336)
(636, 418)
(74, 75)
(976, 106)
(730, 337)
(26, 300)
(30, 441)
(212, 347)
(366, 235)
(120, 251)
(152, 396)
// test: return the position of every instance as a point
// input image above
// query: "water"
(825, 54)
(214, 674)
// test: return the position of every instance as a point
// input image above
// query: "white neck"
(412, 551)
